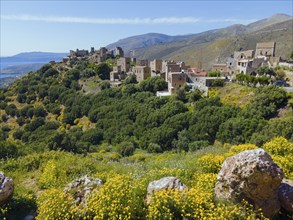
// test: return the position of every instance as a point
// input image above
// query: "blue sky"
(58, 26)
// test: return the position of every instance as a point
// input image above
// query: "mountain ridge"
(198, 48)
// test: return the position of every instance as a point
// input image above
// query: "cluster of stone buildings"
(173, 72)
(178, 74)
(95, 56)
(248, 61)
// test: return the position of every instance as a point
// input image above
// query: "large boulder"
(166, 183)
(81, 188)
(252, 176)
(6, 188)
(286, 195)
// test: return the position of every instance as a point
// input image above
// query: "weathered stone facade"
(119, 52)
(176, 80)
(141, 72)
(124, 63)
(265, 49)
(156, 66)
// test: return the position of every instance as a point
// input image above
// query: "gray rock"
(286, 195)
(6, 188)
(81, 188)
(253, 176)
(166, 183)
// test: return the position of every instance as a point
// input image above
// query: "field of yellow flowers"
(41, 177)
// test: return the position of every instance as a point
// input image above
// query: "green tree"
(130, 79)
(93, 136)
(182, 142)
(125, 149)
(103, 71)
(8, 150)
(33, 125)
(264, 71)
(20, 120)
(40, 112)
(195, 95)
(21, 98)
(215, 73)
(153, 84)
(181, 95)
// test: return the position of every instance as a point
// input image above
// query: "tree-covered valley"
(63, 122)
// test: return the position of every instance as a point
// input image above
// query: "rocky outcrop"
(166, 183)
(81, 188)
(6, 188)
(253, 176)
(286, 195)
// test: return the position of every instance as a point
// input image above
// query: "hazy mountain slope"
(277, 18)
(142, 41)
(218, 50)
(214, 45)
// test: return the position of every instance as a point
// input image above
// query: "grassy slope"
(234, 94)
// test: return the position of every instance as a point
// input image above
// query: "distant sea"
(3, 76)
(4, 65)
(14, 69)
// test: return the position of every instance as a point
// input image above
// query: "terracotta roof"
(196, 72)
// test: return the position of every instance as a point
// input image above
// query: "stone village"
(178, 74)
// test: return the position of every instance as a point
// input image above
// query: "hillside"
(53, 130)
(143, 41)
(215, 45)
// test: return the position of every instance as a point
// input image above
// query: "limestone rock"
(251, 175)
(166, 183)
(81, 188)
(6, 188)
(286, 195)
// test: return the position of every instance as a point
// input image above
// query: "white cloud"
(130, 21)
(163, 20)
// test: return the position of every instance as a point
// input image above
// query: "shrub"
(51, 175)
(20, 121)
(18, 134)
(286, 163)
(4, 117)
(210, 163)
(119, 198)
(40, 112)
(54, 204)
(154, 148)
(125, 149)
(242, 147)
(8, 149)
(279, 146)
(3, 105)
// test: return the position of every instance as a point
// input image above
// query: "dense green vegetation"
(47, 115)
(48, 110)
